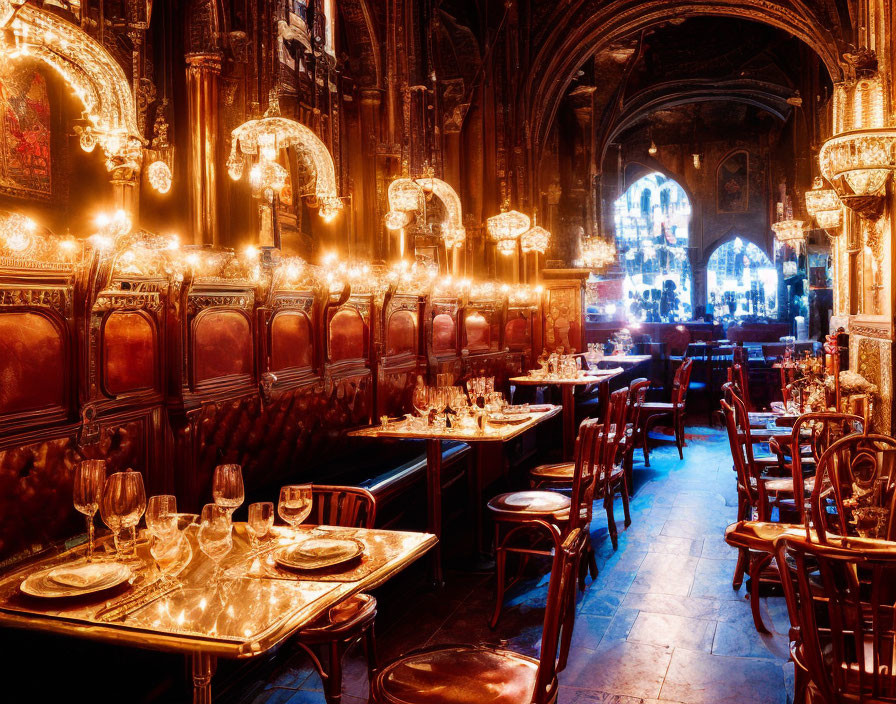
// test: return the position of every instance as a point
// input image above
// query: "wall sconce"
(825, 207)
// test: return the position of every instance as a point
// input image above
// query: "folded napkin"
(324, 547)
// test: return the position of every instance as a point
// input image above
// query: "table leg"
(203, 666)
(434, 504)
(569, 420)
(603, 394)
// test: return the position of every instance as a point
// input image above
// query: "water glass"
(295, 503)
(161, 516)
(261, 518)
(227, 487)
(215, 537)
(122, 506)
(87, 492)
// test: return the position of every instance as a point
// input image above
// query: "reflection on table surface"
(509, 426)
(237, 616)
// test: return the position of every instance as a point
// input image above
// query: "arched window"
(741, 282)
(651, 220)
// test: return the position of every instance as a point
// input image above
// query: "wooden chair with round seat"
(519, 515)
(634, 432)
(352, 620)
(653, 411)
(474, 674)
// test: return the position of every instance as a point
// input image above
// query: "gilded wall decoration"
(25, 134)
(873, 361)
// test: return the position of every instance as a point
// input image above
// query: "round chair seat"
(528, 504)
(351, 614)
(559, 470)
(458, 674)
(784, 485)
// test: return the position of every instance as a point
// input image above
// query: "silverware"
(137, 600)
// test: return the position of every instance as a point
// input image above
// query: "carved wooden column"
(203, 80)
(371, 100)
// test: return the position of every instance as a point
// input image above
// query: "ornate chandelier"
(506, 228)
(788, 231)
(858, 159)
(408, 196)
(535, 240)
(597, 253)
(824, 205)
(263, 139)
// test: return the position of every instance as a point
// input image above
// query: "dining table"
(600, 378)
(250, 607)
(511, 425)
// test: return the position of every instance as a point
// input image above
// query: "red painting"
(25, 138)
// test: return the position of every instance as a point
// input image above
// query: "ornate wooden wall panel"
(400, 361)
(130, 353)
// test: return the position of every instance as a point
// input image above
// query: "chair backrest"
(855, 488)
(589, 447)
(559, 614)
(346, 506)
(846, 625)
(613, 432)
(681, 380)
(637, 395)
(737, 422)
(739, 374)
(817, 431)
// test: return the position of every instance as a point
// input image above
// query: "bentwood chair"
(473, 674)
(675, 408)
(352, 620)
(634, 433)
(611, 476)
(840, 598)
(517, 513)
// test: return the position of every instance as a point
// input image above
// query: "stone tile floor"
(660, 624)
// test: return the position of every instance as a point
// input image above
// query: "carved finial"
(273, 104)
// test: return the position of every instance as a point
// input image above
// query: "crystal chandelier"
(535, 240)
(453, 233)
(788, 231)
(506, 228)
(263, 139)
(859, 158)
(408, 196)
(824, 205)
(597, 253)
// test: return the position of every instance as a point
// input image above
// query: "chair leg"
(743, 558)
(625, 509)
(628, 464)
(370, 650)
(611, 521)
(757, 564)
(679, 433)
(592, 560)
(333, 683)
(500, 567)
(646, 441)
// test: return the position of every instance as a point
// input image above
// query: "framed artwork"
(25, 168)
(733, 183)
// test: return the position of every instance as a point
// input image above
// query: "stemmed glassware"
(295, 504)
(87, 492)
(227, 487)
(168, 544)
(261, 519)
(215, 537)
(122, 506)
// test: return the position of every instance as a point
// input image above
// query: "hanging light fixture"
(506, 228)
(858, 159)
(598, 253)
(824, 205)
(535, 239)
(788, 231)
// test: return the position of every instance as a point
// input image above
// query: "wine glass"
(87, 492)
(261, 518)
(439, 402)
(295, 504)
(215, 537)
(420, 400)
(227, 487)
(123, 504)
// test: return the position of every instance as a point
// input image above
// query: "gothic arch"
(92, 72)
(579, 32)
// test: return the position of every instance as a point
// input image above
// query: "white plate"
(46, 584)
